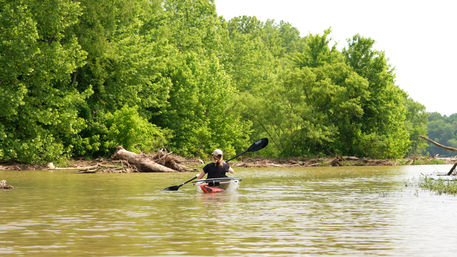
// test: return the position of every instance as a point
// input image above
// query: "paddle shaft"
(236, 156)
(188, 181)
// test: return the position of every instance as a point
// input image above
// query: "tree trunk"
(141, 162)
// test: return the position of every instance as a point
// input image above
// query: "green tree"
(317, 51)
(126, 59)
(384, 134)
(442, 129)
(416, 124)
(38, 55)
(127, 128)
(327, 97)
(78, 78)
(254, 71)
(194, 26)
(200, 111)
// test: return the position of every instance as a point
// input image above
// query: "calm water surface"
(348, 211)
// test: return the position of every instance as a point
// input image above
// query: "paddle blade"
(172, 188)
(261, 143)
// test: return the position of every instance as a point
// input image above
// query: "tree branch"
(439, 145)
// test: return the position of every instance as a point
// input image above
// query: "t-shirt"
(215, 171)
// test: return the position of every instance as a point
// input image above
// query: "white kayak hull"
(217, 185)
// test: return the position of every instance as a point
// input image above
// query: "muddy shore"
(196, 164)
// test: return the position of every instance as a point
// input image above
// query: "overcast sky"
(419, 37)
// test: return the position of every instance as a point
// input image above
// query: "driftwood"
(3, 185)
(171, 161)
(113, 166)
(159, 162)
(444, 147)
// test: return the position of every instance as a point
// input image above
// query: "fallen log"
(142, 163)
(170, 161)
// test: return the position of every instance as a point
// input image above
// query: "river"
(328, 211)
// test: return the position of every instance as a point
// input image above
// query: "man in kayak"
(216, 169)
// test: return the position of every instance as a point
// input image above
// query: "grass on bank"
(426, 161)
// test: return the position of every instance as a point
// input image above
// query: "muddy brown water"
(331, 211)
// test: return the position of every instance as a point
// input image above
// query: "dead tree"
(171, 161)
(160, 162)
(444, 147)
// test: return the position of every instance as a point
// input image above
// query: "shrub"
(127, 128)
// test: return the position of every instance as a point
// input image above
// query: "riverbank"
(108, 165)
(339, 161)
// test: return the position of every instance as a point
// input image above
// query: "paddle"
(261, 143)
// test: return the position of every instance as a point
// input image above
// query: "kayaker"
(216, 169)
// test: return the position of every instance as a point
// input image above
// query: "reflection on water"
(344, 211)
(212, 200)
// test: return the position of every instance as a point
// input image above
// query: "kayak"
(217, 185)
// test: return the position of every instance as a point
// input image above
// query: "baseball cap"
(217, 152)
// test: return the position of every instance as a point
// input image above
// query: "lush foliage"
(442, 129)
(79, 78)
(38, 98)
(416, 124)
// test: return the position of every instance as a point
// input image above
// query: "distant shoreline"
(254, 163)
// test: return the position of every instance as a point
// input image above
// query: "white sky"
(419, 37)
